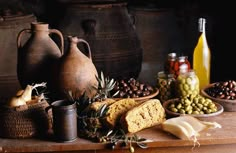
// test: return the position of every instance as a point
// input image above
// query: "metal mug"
(64, 120)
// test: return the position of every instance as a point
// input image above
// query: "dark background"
(220, 28)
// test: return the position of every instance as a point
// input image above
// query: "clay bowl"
(169, 113)
(145, 98)
(229, 105)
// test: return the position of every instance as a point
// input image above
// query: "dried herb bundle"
(90, 125)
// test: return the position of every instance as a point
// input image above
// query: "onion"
(16, 101)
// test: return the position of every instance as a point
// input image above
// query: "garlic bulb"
(24, 96)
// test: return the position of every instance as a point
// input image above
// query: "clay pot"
(37, 56)
(160, 34)
(110, 32)
(76, 71)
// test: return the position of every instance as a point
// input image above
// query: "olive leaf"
(120, 136)
(102, 111)
(105, 85)
(142, 145)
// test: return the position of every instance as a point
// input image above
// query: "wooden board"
(157, 140)
(213, 140)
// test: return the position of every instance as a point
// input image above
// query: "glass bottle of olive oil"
(202, 56)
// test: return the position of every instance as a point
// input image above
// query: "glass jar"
(187, 84)
(181, 60)
(166, 86)
(170, 62)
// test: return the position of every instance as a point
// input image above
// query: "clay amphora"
(76, 71)
(110, 32)
(38, 54)
(160, 34)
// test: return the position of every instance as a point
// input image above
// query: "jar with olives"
(166, 86)
(187, 83)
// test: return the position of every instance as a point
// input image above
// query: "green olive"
(172, 105)
(187, 108)
(195, 100)
(186, 87)
(211, 105)
(174, 109)
(182, 81)
(214, 109)
(201, 100)
(208, 100)
(187, 101)
(182, 111)
(192, 87)
(208, 111)
(189, 80)
(201, 112)
(189, 111)
(200, 106)
(179, 106)
(196, 112)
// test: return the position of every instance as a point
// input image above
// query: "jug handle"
(61, 38)
(50, 31)
(87, 44)
(20, 35)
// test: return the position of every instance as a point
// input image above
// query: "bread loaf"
(145, 115)
(116, 109)
(95, 106)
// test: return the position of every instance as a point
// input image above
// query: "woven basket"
(25, 123)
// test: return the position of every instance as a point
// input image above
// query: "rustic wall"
(220, 27)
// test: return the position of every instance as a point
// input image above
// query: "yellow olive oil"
(202, 57)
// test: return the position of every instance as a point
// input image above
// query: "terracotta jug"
(76, 71)
(37, 56)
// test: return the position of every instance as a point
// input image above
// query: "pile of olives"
(131, 88)
(193, 105)
(223, 90)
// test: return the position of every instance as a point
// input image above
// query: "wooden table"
(213, 140)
